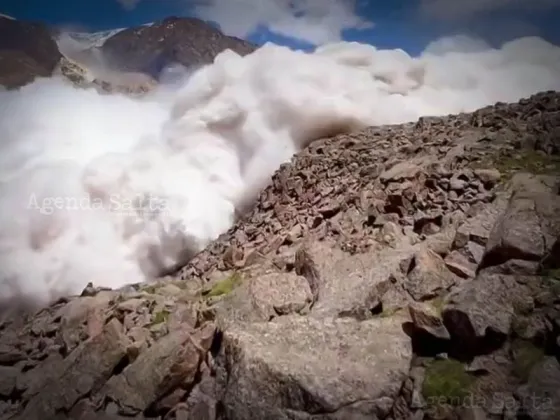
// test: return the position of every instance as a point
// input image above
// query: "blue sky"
(406, 24)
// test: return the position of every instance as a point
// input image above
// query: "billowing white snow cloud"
(112, 190)
(314, 21)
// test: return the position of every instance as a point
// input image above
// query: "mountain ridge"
(146, 49)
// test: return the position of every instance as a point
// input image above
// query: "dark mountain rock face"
(27, 51)
(187, 41)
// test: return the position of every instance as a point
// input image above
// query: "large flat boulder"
(528, 228)
(299, 367)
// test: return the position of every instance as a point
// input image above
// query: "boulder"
(529, 227)
(540, 397)
(301, 367)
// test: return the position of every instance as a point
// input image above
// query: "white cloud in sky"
(314, 21)
(129, 4)
(453, 9)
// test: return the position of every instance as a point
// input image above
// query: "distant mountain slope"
(188, 41)
(27, 50)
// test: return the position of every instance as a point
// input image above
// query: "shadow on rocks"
(425, 344)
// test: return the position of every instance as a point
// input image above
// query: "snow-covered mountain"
(90, 39)
(72, 43)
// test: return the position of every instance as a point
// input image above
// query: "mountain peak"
(151, 48)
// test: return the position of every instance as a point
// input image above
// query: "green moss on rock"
(160, 317)
(225, 286)
(438, 303)
(389, 312)
(149, 289)
(446, 382)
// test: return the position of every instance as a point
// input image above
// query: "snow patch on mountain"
(70, 42)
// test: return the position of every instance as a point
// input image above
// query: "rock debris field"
(400, 272)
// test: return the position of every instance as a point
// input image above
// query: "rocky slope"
(29, 50)
(402, 272)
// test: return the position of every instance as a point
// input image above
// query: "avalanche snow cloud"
(114, 190)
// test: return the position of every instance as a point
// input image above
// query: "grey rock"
(479, 313)
(426, 318)
(202, 401)
(429, 276)
(460, 265)
(280, 293)
(8, 377)
(540, 397)
(400, 171)
(478, 227)
(262, 296)
(520, 268)
(527, 230)
(310, 366)
(457, 184)
(475, 252)
(171, 362)
(488, 176)
(83, 372)
(355, 283)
